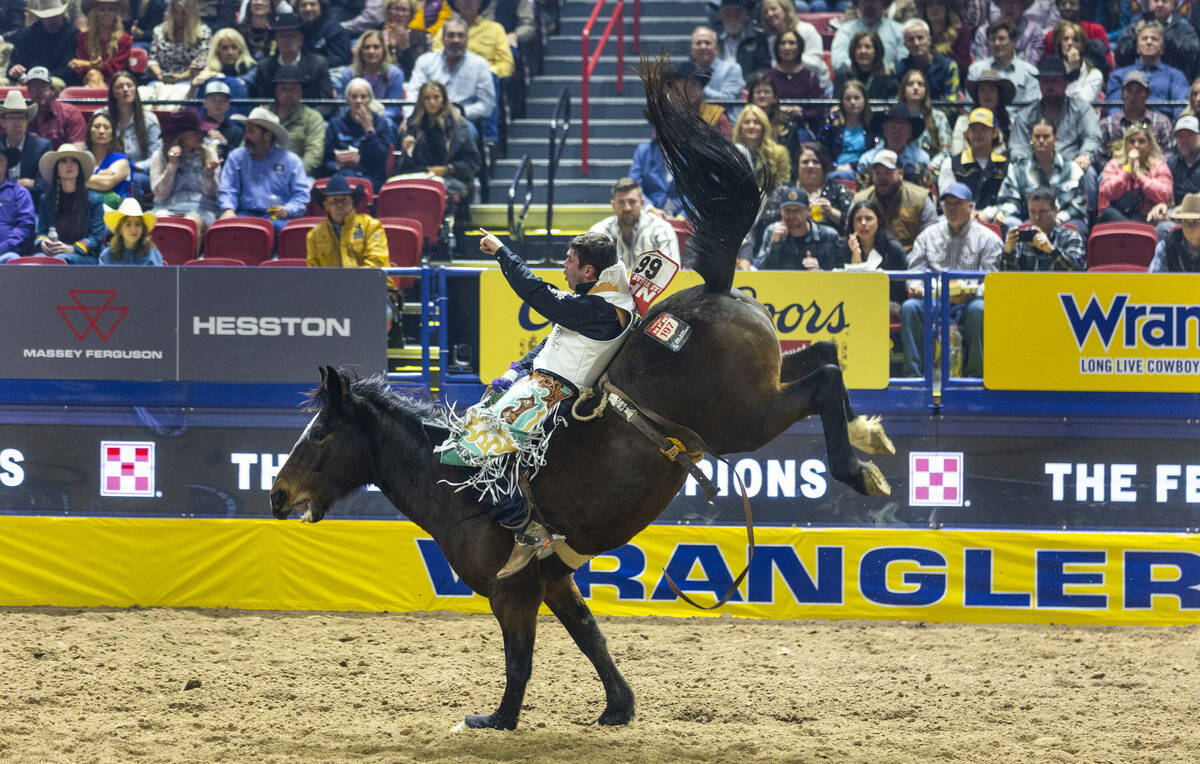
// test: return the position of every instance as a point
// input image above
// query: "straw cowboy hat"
(87, 163)
(267, 120)
(338, 186)
(46, 9)
(129, 209)
(1188, 209)
(15, 102)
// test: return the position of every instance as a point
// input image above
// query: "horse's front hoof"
(613, 717)
(482, 722)
(874, 483)
(867, 435)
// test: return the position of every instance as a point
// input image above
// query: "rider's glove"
(502, 383)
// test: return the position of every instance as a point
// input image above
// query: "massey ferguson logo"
(126, 468)
(93, 310)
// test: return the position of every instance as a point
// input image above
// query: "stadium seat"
(139, 59)
(20, 88)
(293, 239)
(177, 239)
(823, 23)
(250, 238)
(363, 206)
(1123, 243)
(404, 247)
(73, 94)
(423, 200)
(215, 261)
(410, 222)
(38, 260)
(1117, 268)
(285, 262)
(683, 231)
(996, 229)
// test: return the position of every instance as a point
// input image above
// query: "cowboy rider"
(505, 435)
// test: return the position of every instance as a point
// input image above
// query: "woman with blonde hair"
(1084, 81)
(404, 43)
(358, 141)
(181, 44)
(1135, 179)
(914, 93)
(438, 141)
(104, 49)
(228, 61)
(752, 131)
(373, 63)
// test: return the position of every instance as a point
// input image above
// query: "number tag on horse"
(651, 277)
(669, 330)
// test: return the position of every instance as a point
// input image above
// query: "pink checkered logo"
(935, 479)
(126, 468)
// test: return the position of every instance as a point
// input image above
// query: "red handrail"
(591, 58)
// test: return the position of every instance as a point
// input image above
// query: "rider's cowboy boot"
(531, 541)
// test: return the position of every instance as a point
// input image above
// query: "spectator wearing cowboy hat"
(740, 41)
(1076, 122)
(16, 210)
(55, 121)
(899, 128)
(345, 238)
(1180, 251)
(73, 211)
(262, 178)
(48, 42)
(131, 243)
(104, 49)
(305, 126)
(990, 91)
(183, 175)
(15, 114)
(289, 51)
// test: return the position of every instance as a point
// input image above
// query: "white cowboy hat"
(87, 163)
(129, 209)
(46, 9)
(267, 120)
(14, 101)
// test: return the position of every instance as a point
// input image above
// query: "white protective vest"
(578, 359)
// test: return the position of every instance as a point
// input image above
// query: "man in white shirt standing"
(467, 77)
(634, 229)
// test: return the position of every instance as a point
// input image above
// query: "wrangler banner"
(850, 309)
(916, 575)
(1092, 332)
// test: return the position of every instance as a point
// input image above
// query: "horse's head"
(332, 456)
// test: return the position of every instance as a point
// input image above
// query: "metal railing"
(560, 125)
(516, 223)
(592, 58)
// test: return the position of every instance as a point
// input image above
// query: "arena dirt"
(112, 686)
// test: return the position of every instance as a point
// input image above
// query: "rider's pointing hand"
(489, 244)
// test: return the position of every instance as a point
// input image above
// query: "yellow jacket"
(488, 39)
(363, 244)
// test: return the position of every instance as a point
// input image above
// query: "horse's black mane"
(717, 187)
(377, 391)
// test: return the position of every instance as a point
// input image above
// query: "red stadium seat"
(996, 229)
(423, 200)
(683, 232)
(73, 94)
(1124, 243)
(215, 261)
(38, 260)
(285, 262)
(404, 247)
(177, 239)
(363, 206)
(293, 239)
(139, 59)
(410, 222)
(250, 239)
(1117, 268)
(822, 21)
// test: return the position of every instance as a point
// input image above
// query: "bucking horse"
(603, 481)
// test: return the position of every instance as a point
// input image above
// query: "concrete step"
(532, 131)
(540, 108)
(651, 44)
(679, 25)
(602, 83)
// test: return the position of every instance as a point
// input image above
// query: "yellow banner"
(1092, 332)
(929, 575)
(850, 309)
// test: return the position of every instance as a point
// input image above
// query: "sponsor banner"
(1092, 332)
(976, 471)
(849, 309)
(191, 324)
(826, 573)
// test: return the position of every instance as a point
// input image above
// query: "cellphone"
(1026, 234)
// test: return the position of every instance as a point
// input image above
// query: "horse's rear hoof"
(867, 435)
(874, 483)
(481, 722)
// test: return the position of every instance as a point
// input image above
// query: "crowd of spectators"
(967, 135)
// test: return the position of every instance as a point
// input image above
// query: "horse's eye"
(318, 433)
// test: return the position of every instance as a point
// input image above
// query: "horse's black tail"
(716, 184)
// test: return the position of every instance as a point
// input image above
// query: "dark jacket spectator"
(353, 148)
(48, 42)
(314, 70)
(16, 212)
(438, 140)
(323, 34)
(1181, 45)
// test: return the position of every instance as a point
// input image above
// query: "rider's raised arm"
(591, 316)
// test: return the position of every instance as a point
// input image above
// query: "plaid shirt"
(1112, 127)
(1068, 254)
(1025, 175)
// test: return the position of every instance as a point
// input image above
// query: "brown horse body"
(603, 482)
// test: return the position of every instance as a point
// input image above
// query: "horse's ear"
(323, 374)
(335, 386)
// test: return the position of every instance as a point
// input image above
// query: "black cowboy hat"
(338, 186)
(1052, 66)
(689, 70)
(288, 73)
(902, 112)
(285, 21)
(1007, 90)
